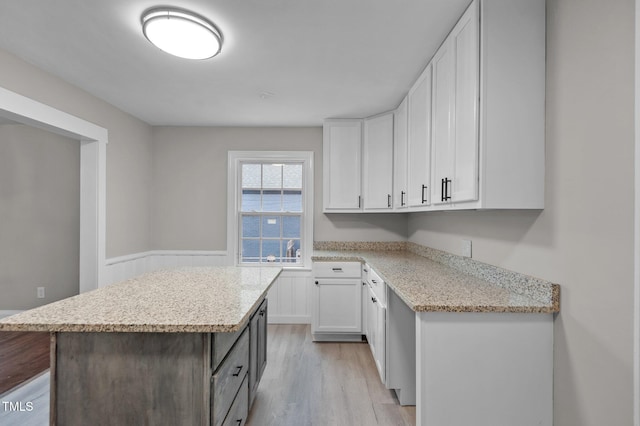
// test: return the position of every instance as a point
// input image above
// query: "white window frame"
(235, 159)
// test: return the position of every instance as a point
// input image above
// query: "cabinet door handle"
(442, 190)
(262, 312)
(445, 195)
(374, 281)
(373, 299)
(237, 373)
(389, 200)
(424, 199)
(239, 421)
(402, 198)
(359, 200)
(316, 282)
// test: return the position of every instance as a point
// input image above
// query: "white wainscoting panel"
(290, 298)
(125, 267)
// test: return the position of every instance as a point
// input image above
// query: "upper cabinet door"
(378, 163)
(400, 157)
(465, 40)
(443, 120)
(342, 148)
(419, 141)
(455, 113)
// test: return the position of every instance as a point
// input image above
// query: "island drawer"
(228, 378)
(221, 343)
(239, 410)
(336, 270)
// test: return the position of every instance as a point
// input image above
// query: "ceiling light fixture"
(181, 33)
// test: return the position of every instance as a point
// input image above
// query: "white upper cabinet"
(419, 141)
(342, 152)
(377, 163)
(400, 157)
(475, 123)
(456, 70)
(512, 105)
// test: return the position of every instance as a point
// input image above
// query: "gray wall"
(583, 239)
(128, 151)
(190, 187)
(39, 216)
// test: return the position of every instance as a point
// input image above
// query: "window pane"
(292, 175)
(251, 176)
(291, 227)
(271, 176)
(250, 250)
(290, 250)
(271, 227)
(292, 201)
(251, 226)
(250, 200)
(271, 250)
(272, 201)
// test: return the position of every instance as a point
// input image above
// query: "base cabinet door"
(337, 306)
(257, 349)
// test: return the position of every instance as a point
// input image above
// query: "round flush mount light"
(181, 33)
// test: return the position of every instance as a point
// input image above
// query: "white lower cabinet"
(337, 302)
(376, 331)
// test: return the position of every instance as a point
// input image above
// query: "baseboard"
(8, 313)
(337, 337)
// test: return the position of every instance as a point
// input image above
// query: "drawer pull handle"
(365, 269)
(237, 373)
(336, 269)
(374, 281)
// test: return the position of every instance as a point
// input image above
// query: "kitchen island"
(466, 342)
(184, 346)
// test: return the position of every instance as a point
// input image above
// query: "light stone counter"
(198, 300)
(429, 280)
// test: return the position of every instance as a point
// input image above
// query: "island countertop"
(198, 300)
(427, 285)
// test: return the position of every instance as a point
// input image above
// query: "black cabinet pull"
(447, 197)
(239, 421)
(444, 189)
(373, 299)
(402, 198)
(374, 281)
(389, 200)
(359, 200)
(316, 282)
(424, 199)
(237, 373)
(262, 313)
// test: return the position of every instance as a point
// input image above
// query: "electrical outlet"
(466, 248)
(40, 293)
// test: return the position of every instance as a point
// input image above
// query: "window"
(272, 207)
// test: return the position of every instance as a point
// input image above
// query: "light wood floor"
(307, 383)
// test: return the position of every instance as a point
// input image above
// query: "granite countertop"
(199, 300)
(428, 285)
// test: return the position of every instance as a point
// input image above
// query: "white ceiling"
(316, 58)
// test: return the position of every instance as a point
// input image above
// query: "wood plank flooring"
(23, 355)
(307, 383)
